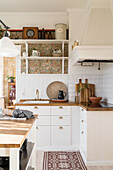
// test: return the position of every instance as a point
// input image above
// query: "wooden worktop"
(62, 104)
(14, 132)
(94, 108)
(46, 104)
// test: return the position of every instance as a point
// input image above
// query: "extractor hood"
(92, 54)
(95, 34)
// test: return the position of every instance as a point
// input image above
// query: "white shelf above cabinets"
(39, 41)
(44, 58)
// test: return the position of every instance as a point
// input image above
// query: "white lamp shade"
(8, 48)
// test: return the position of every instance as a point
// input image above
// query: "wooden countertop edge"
(65, 104)
(47, 104)
(94, 109)
(10, 145)
(20, 144)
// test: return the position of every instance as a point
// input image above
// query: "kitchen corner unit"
(96, 140)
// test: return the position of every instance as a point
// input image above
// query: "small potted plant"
(11, 79)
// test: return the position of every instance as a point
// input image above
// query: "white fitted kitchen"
(56, 85)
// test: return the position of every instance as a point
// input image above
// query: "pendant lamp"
(7, 47)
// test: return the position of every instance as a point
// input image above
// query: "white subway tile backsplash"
(103, 82)
(93, 79)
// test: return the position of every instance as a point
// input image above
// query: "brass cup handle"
(37, 127)
(60, 127)
(60, 117)
(60, 107)
(35, 107)
(82, 109)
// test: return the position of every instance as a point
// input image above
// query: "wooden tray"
(57, 100)
(53, 89)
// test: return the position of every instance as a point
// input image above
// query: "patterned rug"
(63, 161)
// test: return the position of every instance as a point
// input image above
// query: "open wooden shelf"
(26, 155)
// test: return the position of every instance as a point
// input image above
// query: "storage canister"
(60, 31)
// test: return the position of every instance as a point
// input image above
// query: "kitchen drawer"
(60, 135)
(43, 135)
(60, 110)
(40, 110)
(43, 120)
(60, 120)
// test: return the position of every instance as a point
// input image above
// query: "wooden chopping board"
(54, 87)
(84, 91)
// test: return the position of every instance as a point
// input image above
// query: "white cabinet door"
(43, 135)
(60, 135)
(43, 121)
(75, 125)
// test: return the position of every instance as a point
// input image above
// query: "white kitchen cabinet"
(60, 135)
(43, 135)
(96, 140)
(60, 125)
(56, 125)
(42, 124)
(75, 121)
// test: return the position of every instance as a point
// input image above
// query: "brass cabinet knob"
(60, 107)
(37, 127)
(82, 109)
(60, 117)
(35, 107)
(82, 121)
(60, 127)
(82, 132)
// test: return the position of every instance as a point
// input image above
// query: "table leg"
(34, 149)
(14, 158)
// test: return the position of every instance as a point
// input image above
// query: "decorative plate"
(53, 89)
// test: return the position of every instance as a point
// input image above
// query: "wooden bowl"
(95, 99)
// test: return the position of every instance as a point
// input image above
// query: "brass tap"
(37, 93)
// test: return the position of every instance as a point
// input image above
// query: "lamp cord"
(6, 27)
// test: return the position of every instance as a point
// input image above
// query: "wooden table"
(12, 135)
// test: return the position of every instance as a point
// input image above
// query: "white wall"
(27, 85)
(41, 20)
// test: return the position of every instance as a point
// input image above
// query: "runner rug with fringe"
(63, 161)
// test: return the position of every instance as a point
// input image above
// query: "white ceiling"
(40, 5)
